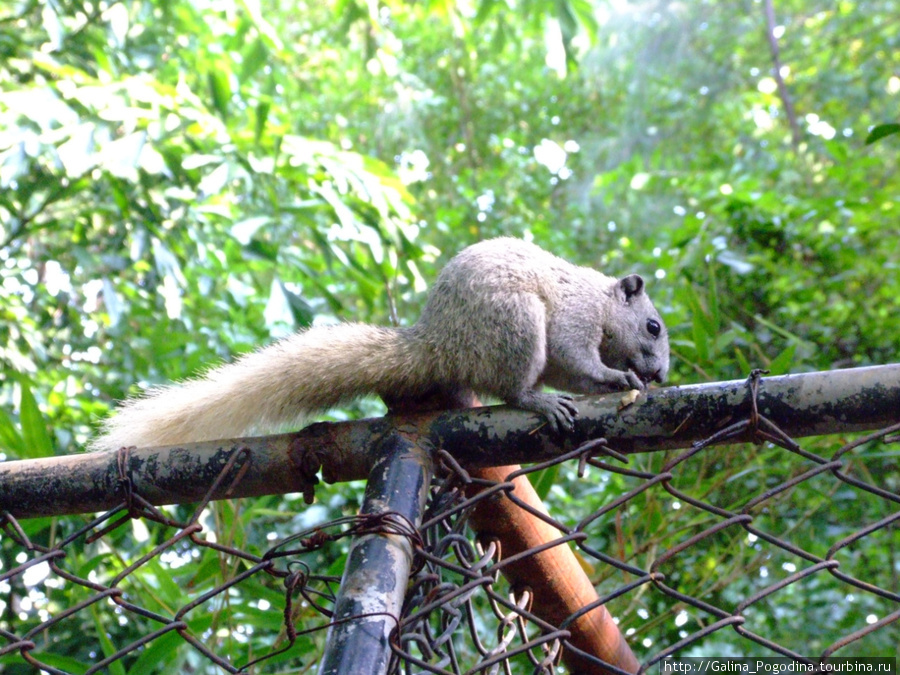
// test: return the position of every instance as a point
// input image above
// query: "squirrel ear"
(631, 286)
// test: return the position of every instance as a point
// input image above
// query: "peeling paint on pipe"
(809, 404)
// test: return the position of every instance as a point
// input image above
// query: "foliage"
(181, 181)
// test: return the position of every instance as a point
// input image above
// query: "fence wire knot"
(126, 485)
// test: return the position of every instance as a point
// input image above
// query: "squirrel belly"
(311, 371)
(503, 318)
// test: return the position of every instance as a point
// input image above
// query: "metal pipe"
(369, 603)
(809, 404)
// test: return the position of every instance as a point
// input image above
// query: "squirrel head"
(634, 335)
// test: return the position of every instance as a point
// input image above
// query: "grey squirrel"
(503, 318)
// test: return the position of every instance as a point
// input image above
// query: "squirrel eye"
(653, 327)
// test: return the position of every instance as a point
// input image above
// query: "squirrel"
(503, 318)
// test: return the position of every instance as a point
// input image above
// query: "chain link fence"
(766, 550)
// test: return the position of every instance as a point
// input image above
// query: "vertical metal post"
(371, 596)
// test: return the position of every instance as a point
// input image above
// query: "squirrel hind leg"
(436, 398)
(559, 410)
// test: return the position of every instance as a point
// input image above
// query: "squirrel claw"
(559, 410)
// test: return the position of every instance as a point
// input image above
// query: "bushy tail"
(271, 388)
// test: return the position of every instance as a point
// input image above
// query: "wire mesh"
(766, 550)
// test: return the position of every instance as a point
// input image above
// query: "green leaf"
(254, 58)
(781, 364)
(702, 327)
(543, 480)
(301, 310)
(34, 527)
(219, 89)
(485, 8)
(880, 131)
(66, 664)
(781, 331)
(169, 591)
(164, 655)
(714, 314)
(585, 12)
(34, 429)
(11, 441)
(116, 667)
(743, 363)
(262, 115)
(701, 343)
(264, 250)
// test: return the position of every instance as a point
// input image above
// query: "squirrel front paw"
(610, 380)
(633, 381)
(559, 410)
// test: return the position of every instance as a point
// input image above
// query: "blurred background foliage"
(183, 180)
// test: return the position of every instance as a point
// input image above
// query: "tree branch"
(783, 93)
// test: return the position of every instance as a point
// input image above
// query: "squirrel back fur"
(503, 318)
